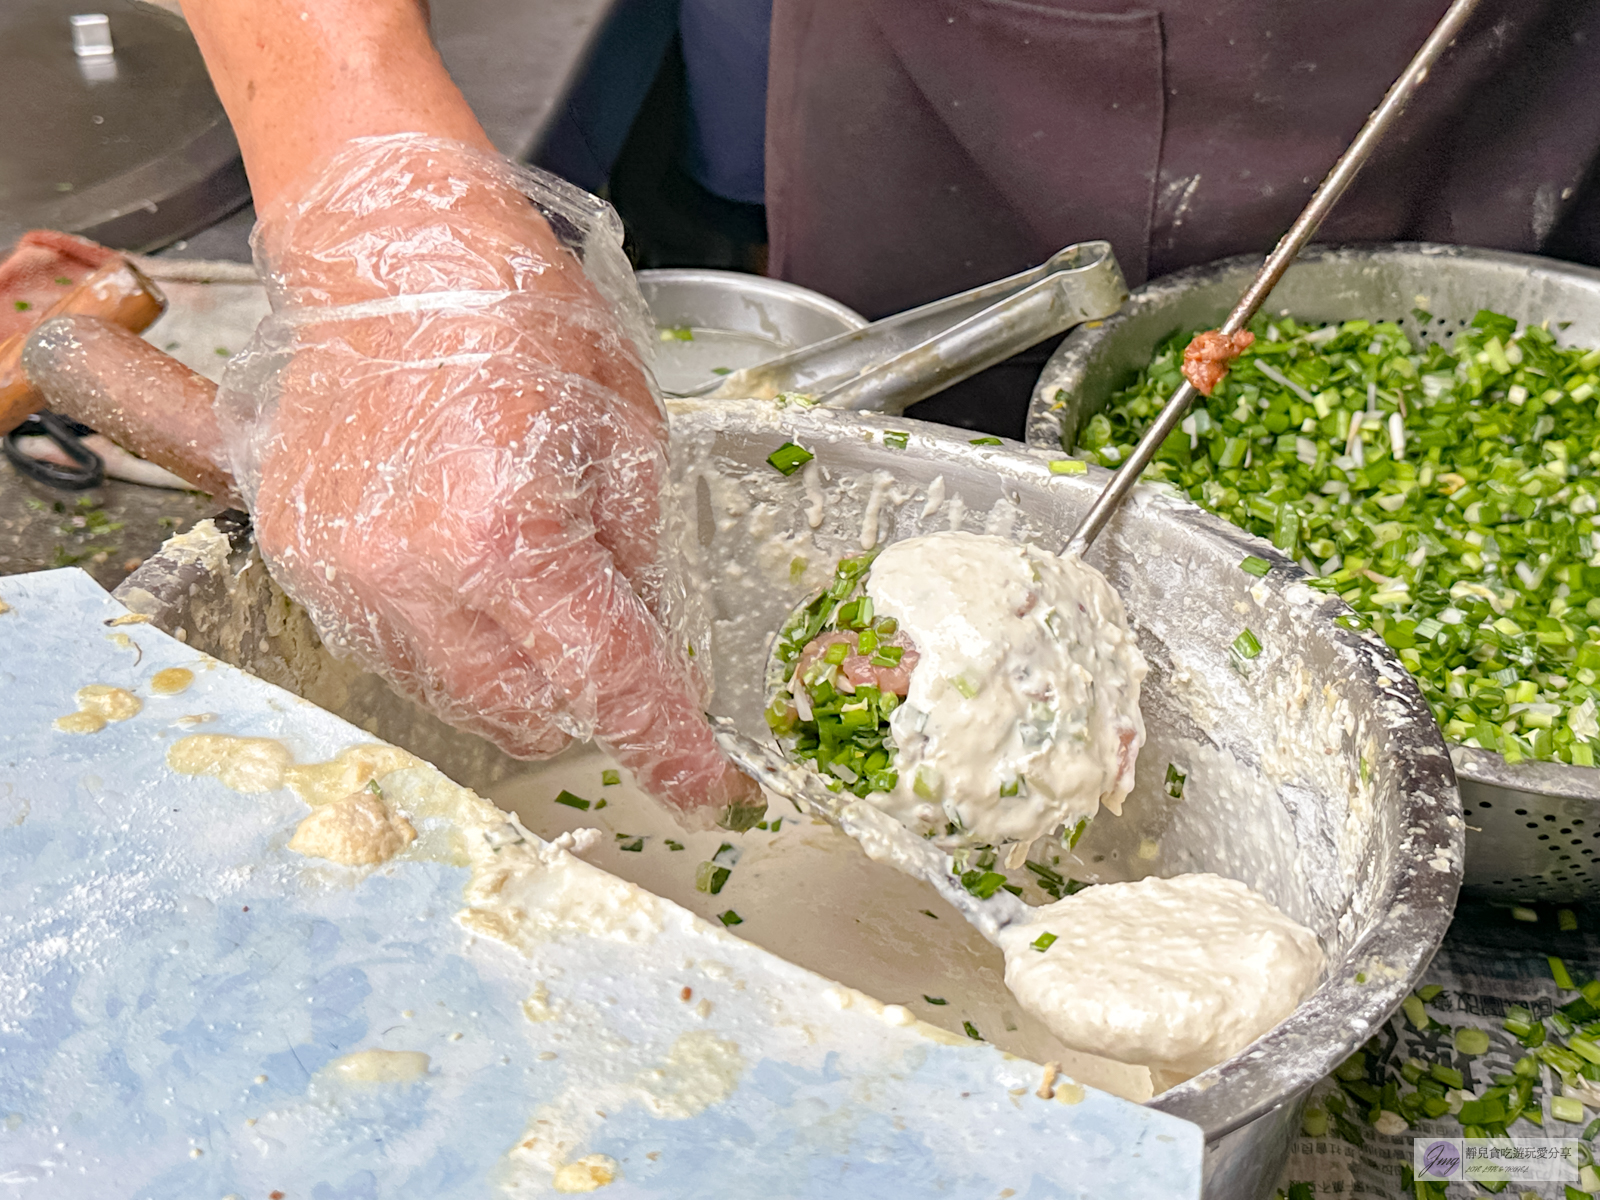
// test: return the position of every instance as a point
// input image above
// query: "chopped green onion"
(610, 778)
(982, 884)
(1077, 832)
(730, 918)
(678, 333)
(1444, 491)
(633, 847)
(1175, 781)
(1043, 942)
(1558, 972)
(985, 441)
(1415, 1013)
(896, 440)
(939, 1000)
(21, 305)
(571, 801)
(722, 370)
(1518, 913)
(1255, 566)
(1430, 993)
(972, 1031)
(709, 878)
(1068, 466)
(1246, 646)
(789, 458)
(1567, 922)
(1565, 1108)
(1471, 1041)
(672, 845)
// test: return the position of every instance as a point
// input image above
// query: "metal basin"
(713, 322)
(1313, 771)
(1535, 827)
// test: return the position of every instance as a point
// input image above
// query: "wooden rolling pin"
(110, 378)
(97, 282)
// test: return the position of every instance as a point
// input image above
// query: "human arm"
(452, 451)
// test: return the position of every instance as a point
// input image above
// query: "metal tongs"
(893, 363)
(884, 838)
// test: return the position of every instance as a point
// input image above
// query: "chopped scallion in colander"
(1450, 496)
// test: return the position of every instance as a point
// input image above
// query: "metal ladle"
(884, 838)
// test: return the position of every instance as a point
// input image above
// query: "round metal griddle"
(130, 148)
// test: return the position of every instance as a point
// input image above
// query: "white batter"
(1177, 974)
(808, 894)
(1023, 709)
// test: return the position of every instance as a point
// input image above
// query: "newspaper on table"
(1487, 1082)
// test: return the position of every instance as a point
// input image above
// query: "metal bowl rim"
(747, 284)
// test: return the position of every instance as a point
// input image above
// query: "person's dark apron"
(919, 147)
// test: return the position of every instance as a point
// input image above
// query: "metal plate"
(1534, 828)
(132, 149)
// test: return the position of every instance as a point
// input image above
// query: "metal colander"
(1533, 828)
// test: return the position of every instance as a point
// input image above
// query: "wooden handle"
(110, 378)
(116, 292)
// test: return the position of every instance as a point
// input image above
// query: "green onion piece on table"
(896, 439)
(1251, 565)
(1246, 645)
(1068, 466)
(571, 801)
(1415, 1013)
(1565, 1108)
(730, 918)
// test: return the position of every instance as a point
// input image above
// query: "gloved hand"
(454, 457)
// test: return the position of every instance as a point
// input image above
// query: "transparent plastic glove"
(453, 454)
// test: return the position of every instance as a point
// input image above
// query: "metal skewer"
(1289, 246)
